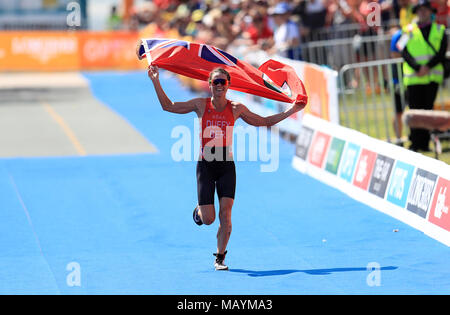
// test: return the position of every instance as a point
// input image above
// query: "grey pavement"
(55, 114)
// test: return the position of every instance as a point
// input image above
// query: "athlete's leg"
(224, 232)
(207, 213)
(205, 191)
(226, 187)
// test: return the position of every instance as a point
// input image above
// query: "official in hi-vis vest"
(424, 47)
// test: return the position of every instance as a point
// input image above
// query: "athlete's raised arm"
(254, 119)
(194, 105)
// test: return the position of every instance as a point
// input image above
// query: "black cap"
(423, 3)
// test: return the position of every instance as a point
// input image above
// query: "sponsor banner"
(318, 149)
(68, 51)
(381, 174)
(319, 99)
(334, 155)
(349, 158)
(400, 183)
(42, 51)
(421, 192)
(303, 142)
(108, 50)
(408, 186)
(364, 169)
(439, 213)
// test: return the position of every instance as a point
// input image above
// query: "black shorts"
(212, 175)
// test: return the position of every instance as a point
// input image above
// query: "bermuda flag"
(273, 79)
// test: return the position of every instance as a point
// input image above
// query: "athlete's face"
(219, 84)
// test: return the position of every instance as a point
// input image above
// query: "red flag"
(273, 79)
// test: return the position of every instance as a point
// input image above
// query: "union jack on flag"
(212, 54)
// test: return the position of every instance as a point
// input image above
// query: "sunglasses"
(220, 81)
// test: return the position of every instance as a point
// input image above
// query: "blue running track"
(126, 221)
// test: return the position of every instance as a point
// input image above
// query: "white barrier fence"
(408, 186)
(368, 93)
(339, 51)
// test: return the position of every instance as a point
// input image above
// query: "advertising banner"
(108, 50)
(68, 51)
(408, 186)
(39, 51)
(439, 213)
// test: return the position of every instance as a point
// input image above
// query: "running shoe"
(219, 264)
(196, 217)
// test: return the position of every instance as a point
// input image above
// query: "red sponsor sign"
(439, 212)
(364, 168)
(319, 147)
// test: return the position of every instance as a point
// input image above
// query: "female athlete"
(215, 167)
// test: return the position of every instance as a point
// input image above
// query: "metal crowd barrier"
(367, 96)
(341, 51)
(337, 52)
(345, 30)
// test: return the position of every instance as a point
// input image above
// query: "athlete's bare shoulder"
(236, 106)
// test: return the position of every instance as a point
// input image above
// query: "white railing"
(367, 96)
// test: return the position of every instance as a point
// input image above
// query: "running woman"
(215, 167)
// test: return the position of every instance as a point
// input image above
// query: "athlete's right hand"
(153, 72)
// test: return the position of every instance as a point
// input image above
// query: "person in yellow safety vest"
(424, 46)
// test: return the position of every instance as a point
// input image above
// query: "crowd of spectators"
(276, 26)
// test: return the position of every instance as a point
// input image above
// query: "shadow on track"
(266, 273)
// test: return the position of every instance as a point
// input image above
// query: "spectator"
(339, 12)
(224, 25)
(194, 26)
(442, 12)
(362, 10)
(313, 14)
(364, 45)
(286, 33)
(398, 99)
(406, 16)
(259, 33)
(157, 22)
(423, 70)
(387, 12)
(164, 4)
(114, 21)
(262, 7)
(210, 33)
